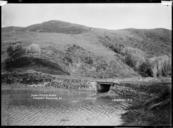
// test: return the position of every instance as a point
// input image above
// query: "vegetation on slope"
(154, 42)
(142, 63)
(58, 27)
(84, 51)
(150, 104)
(18, 58)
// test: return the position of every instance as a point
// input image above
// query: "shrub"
(101, 65)
(116, 47)
(129, 60)
(15, 51)
(145, 69)
(134, 57)
(67, 59)
(88, 60)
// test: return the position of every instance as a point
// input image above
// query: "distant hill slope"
(84, 51)
(57, 27)
(152, 41)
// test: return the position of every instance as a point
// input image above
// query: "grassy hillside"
(152, 41)
(57, 27)
(83, 51)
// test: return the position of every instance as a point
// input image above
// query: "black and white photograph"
(86, 64)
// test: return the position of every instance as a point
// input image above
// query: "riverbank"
(149, 98)
(150, 104)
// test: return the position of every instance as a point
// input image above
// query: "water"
(42, 106)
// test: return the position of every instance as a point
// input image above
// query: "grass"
(151, 104)
(36, 63)
(91, 43)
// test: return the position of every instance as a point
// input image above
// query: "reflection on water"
(59, 107)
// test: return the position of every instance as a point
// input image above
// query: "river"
(50, 106)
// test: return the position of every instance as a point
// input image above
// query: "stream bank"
(149, 101)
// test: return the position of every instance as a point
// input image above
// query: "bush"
(67, 60)
(116, 47)
(129, 60)
(145, 69)
(15, 51)
(88, 60)
(134, 57)
(101, 65)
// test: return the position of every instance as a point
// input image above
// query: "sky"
(109, 16)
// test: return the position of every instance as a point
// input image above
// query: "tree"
(161, 65)
(15, 53)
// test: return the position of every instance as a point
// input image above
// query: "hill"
(84, 51)
(57, 27)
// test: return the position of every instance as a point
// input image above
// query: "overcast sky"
(110, 16)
